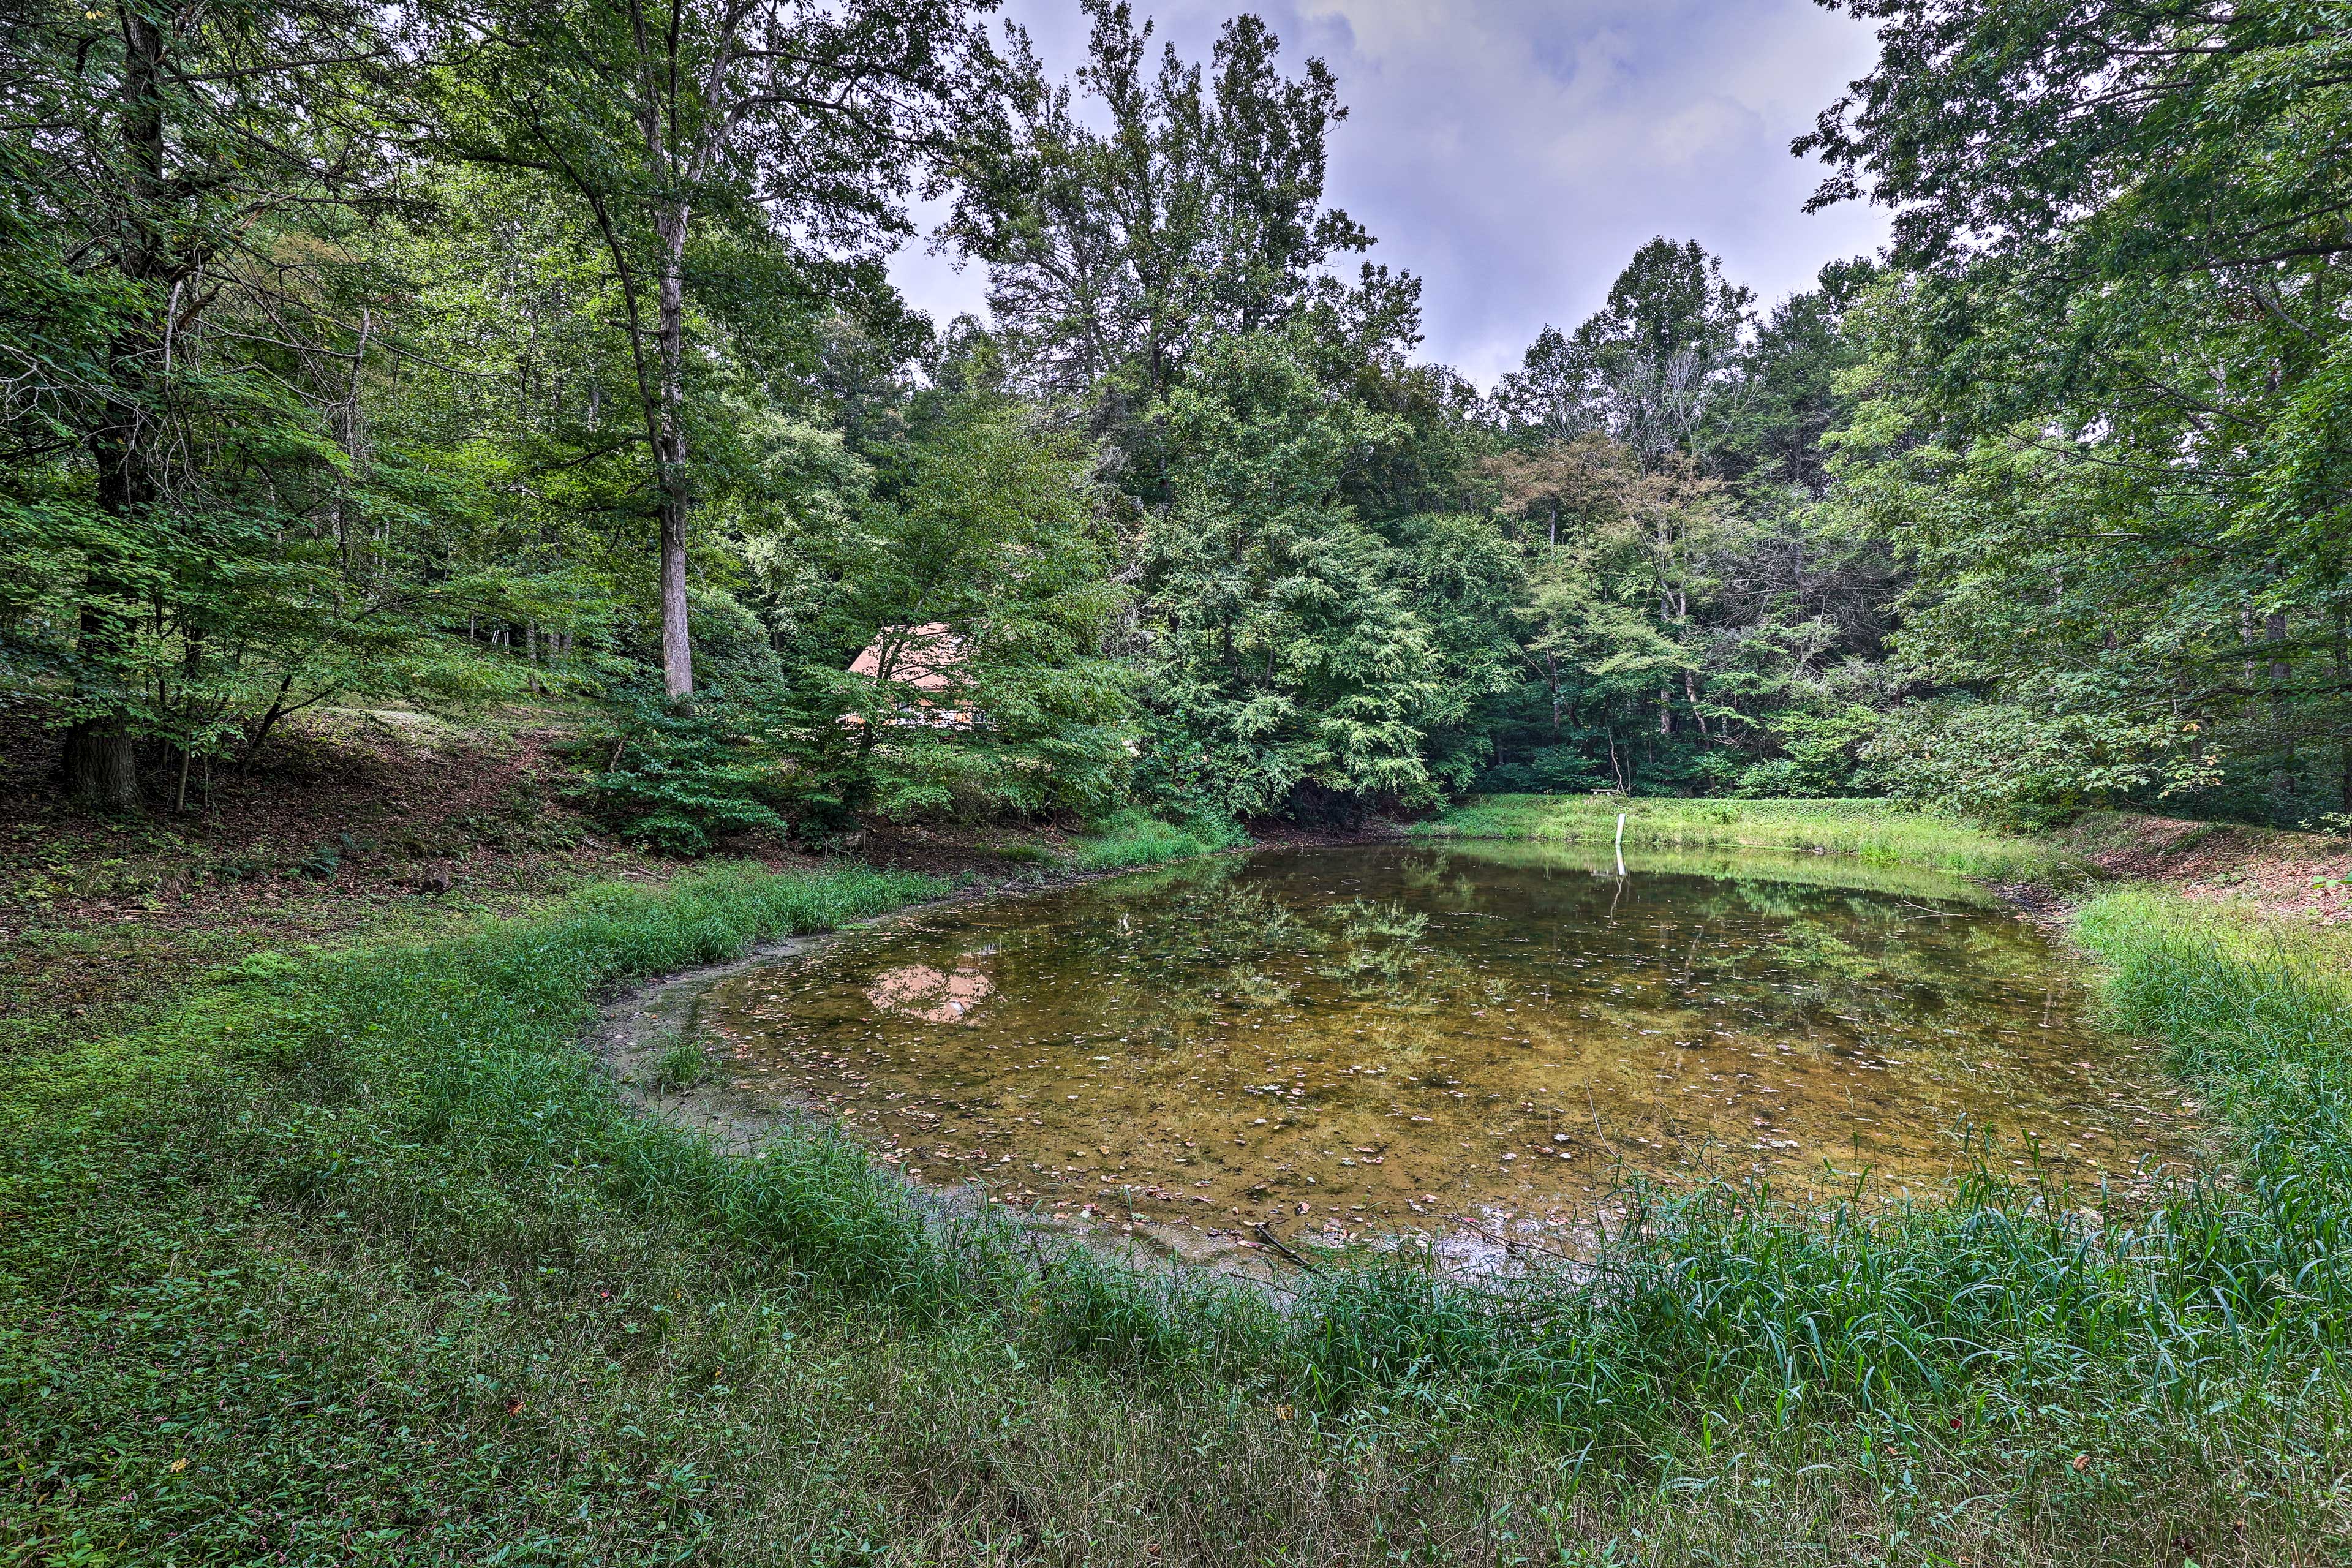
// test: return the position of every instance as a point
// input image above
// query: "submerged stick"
(1275, 1242)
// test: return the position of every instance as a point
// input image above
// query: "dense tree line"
(457, 350)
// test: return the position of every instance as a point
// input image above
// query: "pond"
(1350, 1043)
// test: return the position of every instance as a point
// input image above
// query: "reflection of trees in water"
(1435, 874)
(1881, 973)
(1190, 947)
(1377, 954)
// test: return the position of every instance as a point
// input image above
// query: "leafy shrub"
(2009, 763)
(675, 780)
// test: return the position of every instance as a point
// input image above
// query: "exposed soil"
(2303, 875)
(349, 821)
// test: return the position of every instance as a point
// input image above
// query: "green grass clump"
(680, 1065)
(1870, 830)
(363, 1261)
(1136, 839)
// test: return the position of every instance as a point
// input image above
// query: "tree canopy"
(458, 351)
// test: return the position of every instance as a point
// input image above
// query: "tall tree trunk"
(678, 648)
(99, 765)
(2283, 766)
(2343, 689)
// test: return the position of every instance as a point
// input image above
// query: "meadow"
(357, 1257)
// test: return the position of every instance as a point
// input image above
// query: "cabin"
(923, 664)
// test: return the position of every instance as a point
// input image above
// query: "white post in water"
(1620, 843)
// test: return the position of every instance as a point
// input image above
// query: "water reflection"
(921, 992)
(1365, 1040)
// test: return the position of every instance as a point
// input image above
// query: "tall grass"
(1868, 829)
(1135, 838)
(2257, 1015)
(374, 1246)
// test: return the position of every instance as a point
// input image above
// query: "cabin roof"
(927, 655)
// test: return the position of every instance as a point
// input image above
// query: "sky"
(1513, 154)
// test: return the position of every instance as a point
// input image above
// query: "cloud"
(1515, 154)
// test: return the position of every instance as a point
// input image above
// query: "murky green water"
(1364, 1040)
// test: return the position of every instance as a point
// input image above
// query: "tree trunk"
(99, 767)
(2283, 766)
(678, 648)
(2343, 687)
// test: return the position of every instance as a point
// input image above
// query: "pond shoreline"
(607, 1267)
(637, 1025)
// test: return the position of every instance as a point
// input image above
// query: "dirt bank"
(2306, 875)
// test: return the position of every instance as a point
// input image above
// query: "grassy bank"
(358, 1258)
(1133, 839)
(1870, 830)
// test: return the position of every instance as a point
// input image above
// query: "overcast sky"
(1514, 153)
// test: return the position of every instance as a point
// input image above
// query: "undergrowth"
(363, 1261)
(1136, 839)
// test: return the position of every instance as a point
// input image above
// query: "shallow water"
(1352, 1042)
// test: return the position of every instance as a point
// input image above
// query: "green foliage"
(1177, 206)
(1136, 839)
(981, 582)
(1679, 633)
(2106, 392)
(675, 779)
(1649, 367)
(680, 1065)
(1291, 658)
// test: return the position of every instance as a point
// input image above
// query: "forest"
(444, 355)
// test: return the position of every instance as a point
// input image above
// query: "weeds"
(681, 1066)
(1136, 839)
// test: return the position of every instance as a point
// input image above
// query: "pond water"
(1353, 1042)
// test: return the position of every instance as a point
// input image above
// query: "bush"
(676, 779)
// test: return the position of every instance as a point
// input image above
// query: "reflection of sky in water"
(1362, 1036)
